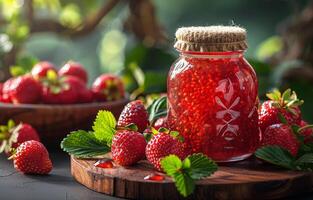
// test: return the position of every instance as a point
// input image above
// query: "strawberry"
(134, 113)
(6, 90)
(84, 94)
(281, 135)
(279, 106)
(12, 136)
(163, 144)
(128, 147)
(40, 69)
(25, 89)
(159, 123)
(307, 132)
(108, 87)
(72, 68)
(60, 90)
(32, 157)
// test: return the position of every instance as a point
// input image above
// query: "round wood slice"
(247, 179)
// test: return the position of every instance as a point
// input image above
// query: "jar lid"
(211, 38)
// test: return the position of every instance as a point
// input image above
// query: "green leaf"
(274, 95)
(276, 155)
(305, 162)
(201, 166)
(171, 164)
(184, 173)
(286, 95)
(11, 124)
(157, 109)
(132, 127)
(282, 119)
(17, 71)
(84, 144)
(174, 133)
(104, 126)
(184, 184)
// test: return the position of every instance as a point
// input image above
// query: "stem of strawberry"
(310, 126)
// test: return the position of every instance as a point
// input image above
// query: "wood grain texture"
(53, 122)
(249, 179)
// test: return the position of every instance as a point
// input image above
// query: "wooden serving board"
(249, 179)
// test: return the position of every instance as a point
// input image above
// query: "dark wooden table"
(58, 185)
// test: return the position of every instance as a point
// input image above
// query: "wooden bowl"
(54, 122)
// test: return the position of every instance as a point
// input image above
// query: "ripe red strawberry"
(62, 90)
(134, 112)
(285, 105)
(32, 157)
(25, 89)
(72, 68)
(84, 94)
(161, 145)
(159, 123)
(307, 133)
(12, 135)
(6, 90)
(40, 69)
(108, 87)
(281, 135)
(128, 147)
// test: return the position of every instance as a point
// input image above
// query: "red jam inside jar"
(212, 102)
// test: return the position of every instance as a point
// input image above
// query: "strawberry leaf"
(305, 162)
(104, 126)
(132, 127)
(286, 95)
(185, 173)
(171, 164)
(276, 155)
(157, 109)
(201, 166)
(184, 184)
(84, 144)
(275, 95)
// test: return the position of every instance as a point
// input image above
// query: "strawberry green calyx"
(8, 136)
(288, 99)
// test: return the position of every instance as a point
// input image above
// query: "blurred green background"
(134, 38)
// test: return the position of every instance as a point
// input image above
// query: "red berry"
(162, 145)
(134, 112)
(32, 157)
(25, 89)
(14, 136)
(6, 90)
(159, 123)
(62, 91)
(74, 69)
(25, 132)
(281, 135)
(84, 94)
(128, 147)
(108, 87)
(40, 69)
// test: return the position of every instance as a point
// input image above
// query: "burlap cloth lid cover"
(211, 38)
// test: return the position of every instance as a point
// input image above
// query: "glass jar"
(212, 102)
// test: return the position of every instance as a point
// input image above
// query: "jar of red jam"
(212, 93)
